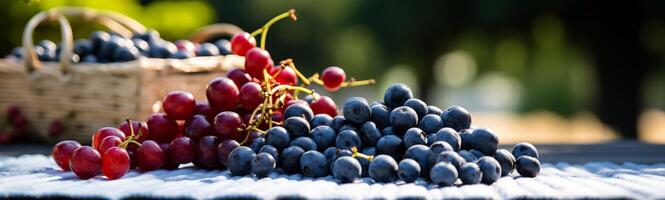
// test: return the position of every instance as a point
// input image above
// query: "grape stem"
(264, 29)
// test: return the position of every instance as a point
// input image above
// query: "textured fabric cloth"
(38, 176)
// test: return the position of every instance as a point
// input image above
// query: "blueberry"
(466, 137)
(380, 115)
(321, 120)
(347, 139)
(402, 118)
(306, 143)
(525, 149)
(456, 117)
(299, 110)
(278, 137)
(430, 123)
(183, 54)
(162, 49)
(297, 126)
(263, 164)
(420, 153)
(396, 95)
(485, 141)
(390, 145)
(324, 137)
(271, 150)
(364, 163)
(98, 38)
(338, 122)
(388, 131)
(356, 110)
(124, 54)
(240, 161)
(82, 47)
(450, 136)
(470, 174)
(436, 148)
(434, 110)
(314, 164)
(207, 49)
(369, 133)
(468, 156)
(450, 157)
(408, 170)
(257, 143)
(142, 46)
(383, 168)
(490, 168)
(224, 47)
(417, 105)
(443, 174)
(506, 160)
(528, 166)
(289, 160)
(414, 136)
(346, 169)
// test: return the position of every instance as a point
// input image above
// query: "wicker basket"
(87, 96)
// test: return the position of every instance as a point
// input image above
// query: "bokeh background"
(541, 71)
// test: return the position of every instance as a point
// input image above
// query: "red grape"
(55, 129)
(286, 76)
(256, 60)
(140, 128)
(198, 127)
(179, 105)
(108, 142)
(222, 94)
(332, 78)
(185, 45)
(168, 160)
(105, 132)
(239, 76)
(324, 105)
(250, 96)
(62, 151)
(224, 148)
(242, 42)
(227, 124)
(277, 116)
(206, 152)
(150, 156)
(85, 162)
(182, 150)
(203, 108)
(162, 128)
(115, 163)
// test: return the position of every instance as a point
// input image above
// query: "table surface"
(611, 170)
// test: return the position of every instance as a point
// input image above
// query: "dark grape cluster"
(108, 47)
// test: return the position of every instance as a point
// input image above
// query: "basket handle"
(31, 61)
(204, 33)
(114, 21)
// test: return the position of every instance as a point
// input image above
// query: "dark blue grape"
(417, 105)
(388, 131)
(466, 137)
(528, 166)
(346, 169)
(430, 123)
(330, 153)
(470, 173)
(383, 168)
(403, 118)
(414, 136)
(420, 153)
(490, 168)
(183, 54)
(364, 163)
(525, 149)
(338, 122)
(456, 117)
(324, 137)
(396, 95)
(485, 141)
(443, 174)
(299, 110)
(390, 145)
(436, 148)
(468, 156)
(257, 143)
(240, 161)
(82, 47)
(348, 127)
(124, 54)
(271, 150)
(506, 160)
(356, 110)
(321, 120)
(289, 160)
(98, 38)
(450, 157)
(263, 164)
(207, 49)
(314, 164)
(369, 133)
(408, 170)
(450, 136)
(278, 137)
(224, 47)
(380, 115)
(162, 49)
(434, 110)
(107, 50)
(348, 139)
(297, 126)
(306, 143)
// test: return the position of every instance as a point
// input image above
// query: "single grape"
(240, 160)
(356, 110)
(105, 132)
(466, 137)
(62, 151)
(414, 136)
(321, 120)
(306, 143)
(207, 152)
(278, 137)
(324, 137)
(108, 142)
(434, 110)
(115, 163)
(162, 128)
(417, 105)
(286, 75)
(314, 164)
(207, 49)
(383, 168)
(140, 129)
(528, 166)
(182, 150)
(403, 118)
(298, 110)
(198, 127)
(380, 116)
(525, 149)
(443, 174)
(85, 162)
(150, 156)
(297, 126)
(390, 145)
(490, 168)
(369, 133)
(456, 117)
(222, 94)
(470, 173)
(257, 60)
(485, 141)
(227, 124)
(346, 169)
(250, 96)
(430, 123)
(289, 160)
(239, 76)
(332, 78)
(408, 170)
(271, 150)
(324, 105)
(348, 139)
(179, 105)
(263, 164)
(242, 42)
(224, 149)
(396, 95)
(450, 136)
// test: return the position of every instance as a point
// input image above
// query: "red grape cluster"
(240, 107)
(15, 126)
